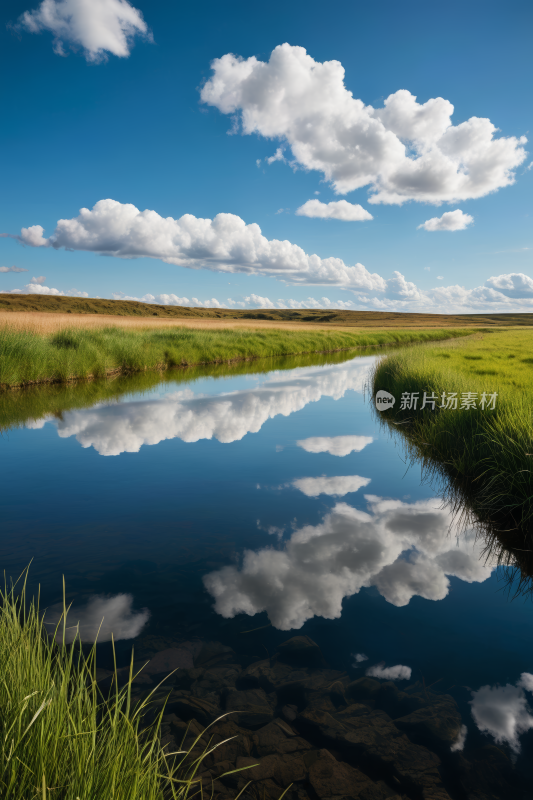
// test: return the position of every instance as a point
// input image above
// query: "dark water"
(200, 510)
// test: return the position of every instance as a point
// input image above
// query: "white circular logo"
(384, 400)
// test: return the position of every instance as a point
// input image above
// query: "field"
(486, 452)
(27, 357)
(27, 307)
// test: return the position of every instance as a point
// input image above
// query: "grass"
(60, 739)
(486, 454)
(27, 357)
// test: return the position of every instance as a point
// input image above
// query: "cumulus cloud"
(503, 711)
(397, 673)
(227, 244)
(340, 209)
(115, 429)
(102, 617)
(350, 549)
(40, 280)
(335, 445)
(450, 221)
(223, 244)
(250, 301)
(13, 269)
(37, 288)
(337, 486)
(359, 658)
(515, 284)
(403, 151)
(97, 27)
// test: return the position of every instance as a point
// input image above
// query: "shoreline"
(483, 455)
(68, 342)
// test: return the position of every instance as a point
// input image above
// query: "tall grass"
(27, 357)
(488, 453)
(60, 739)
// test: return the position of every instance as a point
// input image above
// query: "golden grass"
(45, 323)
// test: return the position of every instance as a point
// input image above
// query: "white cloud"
(397, 673)
(37, 288)
(100, 618)
(339, 209)
(450, 221)
(40, 280)
(503, 712)
(403, 151)
(115, 429)
(13, 269)
(335, 445)
(359, 658)
(97, 27)
(278, 156)
(459, 743)
(515, 284)
(337, 486)
(224, 244)
(350, 549)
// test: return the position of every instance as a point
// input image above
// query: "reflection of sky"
(151, 523)
(503, 711)
(228, 417)
(402, 549)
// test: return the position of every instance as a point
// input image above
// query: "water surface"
(194, 509)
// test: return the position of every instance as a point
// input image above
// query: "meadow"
(30, 357)
(486, 451)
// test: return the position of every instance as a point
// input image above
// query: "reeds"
(76, 353)
(60, 738)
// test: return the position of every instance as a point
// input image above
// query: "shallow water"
(200, 510)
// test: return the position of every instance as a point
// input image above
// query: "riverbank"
(27, 357)
(484, 451)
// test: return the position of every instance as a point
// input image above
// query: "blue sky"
(85, 124)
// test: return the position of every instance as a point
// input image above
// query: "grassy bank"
(27, 357)
(487, 453)
(59, 737)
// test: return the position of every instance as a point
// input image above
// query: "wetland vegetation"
(486, 452)
(27, 357)
(61, 737)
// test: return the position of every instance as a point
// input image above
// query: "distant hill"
(359, 319)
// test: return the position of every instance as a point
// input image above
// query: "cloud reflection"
(335, 445)
(125, 427)
(403, 549)
(336, 486)
(503, 712)
(102, 617)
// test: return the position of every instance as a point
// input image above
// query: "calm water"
(208, 508)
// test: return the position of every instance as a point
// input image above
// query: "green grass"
(19, 406)
(487, 454)
(60, 739)
(27, 358)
